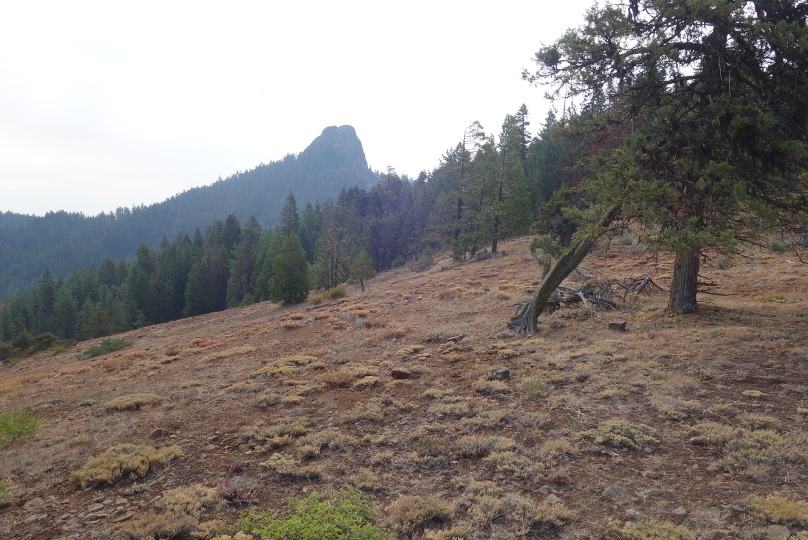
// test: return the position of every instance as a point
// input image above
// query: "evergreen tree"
(197, 301)
(289, 283)
(290, 221)
(711, 101)
(243, 264)
(362, 268)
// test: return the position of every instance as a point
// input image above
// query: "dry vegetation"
(680, 427)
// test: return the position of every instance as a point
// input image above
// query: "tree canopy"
(710, 100)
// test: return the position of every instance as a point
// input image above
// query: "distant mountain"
(61, 241)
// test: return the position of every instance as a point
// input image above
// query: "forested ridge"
(61, 241)
(487, 187)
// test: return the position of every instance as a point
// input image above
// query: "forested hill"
(61, 241)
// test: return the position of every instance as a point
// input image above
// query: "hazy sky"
(111, 104)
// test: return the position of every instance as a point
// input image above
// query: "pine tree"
(290, 221)
(362, 268)
(290, 279)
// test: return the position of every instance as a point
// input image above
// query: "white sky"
(108, 104)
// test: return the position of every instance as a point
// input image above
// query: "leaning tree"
(713, 99)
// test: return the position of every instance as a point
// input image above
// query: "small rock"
(123, 517)
(679, 512)
(527, 349)
(618, 493)
(544, 490)
(94, 507)
(159, 433)
(33, 504)
(401, 373)
(777, 532)
(121, 500)
(617, 325)
(552, 499)
(501, 373)
(210, 447)
(719, 534)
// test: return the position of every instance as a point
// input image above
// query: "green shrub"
(16, 425)
(344, 515)
(106, 346)
(545, 244)
(425, 260)
(335, 292)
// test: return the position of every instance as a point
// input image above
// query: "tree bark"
(685, 283)
(525, 320)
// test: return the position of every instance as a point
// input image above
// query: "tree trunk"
(525, 320)
(685, 283)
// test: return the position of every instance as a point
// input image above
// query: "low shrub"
(106, 346)
(335, 292)
(16, 425)
(346, 514)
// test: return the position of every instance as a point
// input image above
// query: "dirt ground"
(452, 431)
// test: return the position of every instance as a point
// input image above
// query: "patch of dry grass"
(130, 461)
(131, 402)
(227, 353)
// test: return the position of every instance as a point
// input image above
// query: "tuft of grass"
(332, 438)
(512, 464)
(346, 514)
(655, 530)
(365, 480)
(178, 514)
(132, 461)
(106, 346)
(371, 411)
(291, 469)
(778, 510)
(291, 325)
(228, 353)
(412, 513)
(365, 382)
(621, 433)
(17, 425)
(131, 402)
(749, 452)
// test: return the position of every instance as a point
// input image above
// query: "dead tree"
(525, 319)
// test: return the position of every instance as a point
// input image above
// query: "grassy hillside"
(677, 427)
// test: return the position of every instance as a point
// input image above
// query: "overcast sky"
(111, 104)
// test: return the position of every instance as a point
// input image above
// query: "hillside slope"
(61, 241)
(598, 433)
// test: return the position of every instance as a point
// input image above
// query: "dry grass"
(177, 514)
(131, 402)
(124, 461)
(228, 353)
